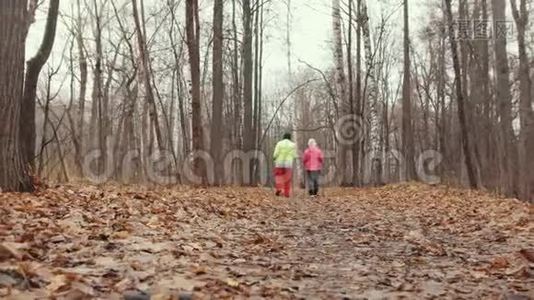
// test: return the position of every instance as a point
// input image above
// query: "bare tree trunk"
(13, 30)
(258, 80)
(35, 64)
(441, 123)
(82, 60)
(288, 39)
(145, 61)
(479, 90)
(61, 155)
(376, 148)
(509, 159)
(341, 87)
(248, 69)
(526, 147)
(172, 111)
(177, 53)
(97, 93)
(217, 129)
(237, 99)
(297, 115)
(72, 124)
(356, 150)
(193, 39)
(341, 83)
(105, 126)
(46, 120)
(470, 100)
(349, 167)
(407, 128)
(461, 102)
(184, 124)
(256, 74)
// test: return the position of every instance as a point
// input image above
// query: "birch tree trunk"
(350, 171)
(258, 85)
(236, 93)
(356, 147)
(374, 135)
(341, 86)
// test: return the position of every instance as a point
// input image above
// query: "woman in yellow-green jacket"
(285, 153)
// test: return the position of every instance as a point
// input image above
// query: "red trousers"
(282, 180)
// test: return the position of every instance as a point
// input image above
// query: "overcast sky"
(311, 31)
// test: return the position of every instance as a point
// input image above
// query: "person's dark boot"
(278, 193)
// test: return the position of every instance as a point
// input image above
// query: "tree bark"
(374, 134)
(34, 66)
(14, 174)
(193, 39)
(95, 130)
(217, 126)
(258, 83)
(356, 147)
(442, 109)
(248, 69)
(178, 57)
(145, 62)
(341, 88)
(509, 159)
(461, 101)
(237, 95)
(349, 167)
(526, 114)
(407, 128)
(82, 60)
(481, 99)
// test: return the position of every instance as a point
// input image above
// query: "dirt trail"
(399, 241)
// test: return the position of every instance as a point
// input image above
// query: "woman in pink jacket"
(313, 163)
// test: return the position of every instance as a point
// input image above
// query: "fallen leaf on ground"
(408, 241)
(528, 254)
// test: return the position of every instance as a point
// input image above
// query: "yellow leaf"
(231, 282)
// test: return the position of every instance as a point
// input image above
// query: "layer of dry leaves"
(116, 242)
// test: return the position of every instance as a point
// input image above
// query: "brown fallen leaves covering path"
(413, 241)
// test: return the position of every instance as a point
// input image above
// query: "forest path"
(407, 240)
